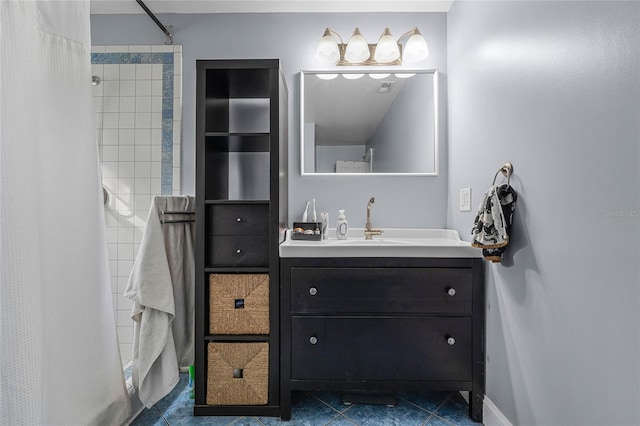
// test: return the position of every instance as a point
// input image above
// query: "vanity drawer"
(238, 251)
(370, 348)
(238, 219)
(381, 290)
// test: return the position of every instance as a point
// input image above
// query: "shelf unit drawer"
(381, 290)
(381, 348)
(231, 251)
(239, 303)
(237, 219)
(238, 373)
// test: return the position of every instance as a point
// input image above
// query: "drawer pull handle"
(313, 291)
(451, 291)
(239, 219)
(451, 341)
(238, 251)
(313, 340)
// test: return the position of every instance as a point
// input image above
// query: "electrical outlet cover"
(465, 199)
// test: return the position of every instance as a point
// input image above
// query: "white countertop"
(394, 242)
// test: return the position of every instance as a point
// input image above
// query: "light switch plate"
(465, 199)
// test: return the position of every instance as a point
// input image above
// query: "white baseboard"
(491, 415)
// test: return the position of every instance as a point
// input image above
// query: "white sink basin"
(394, 242)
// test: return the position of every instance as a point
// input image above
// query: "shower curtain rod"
(157, 21)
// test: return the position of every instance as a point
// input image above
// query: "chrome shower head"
(95, 80)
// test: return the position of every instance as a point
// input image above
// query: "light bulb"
(416, 49)
(326, 76)
(387, 48)
(327, 50)
(352, 76)
(379, 76)
(357, 48)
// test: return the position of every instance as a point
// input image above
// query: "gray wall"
(553, 87)
(400, 201)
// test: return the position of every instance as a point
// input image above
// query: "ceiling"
(268, 6)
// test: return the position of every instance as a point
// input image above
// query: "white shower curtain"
(59, 359)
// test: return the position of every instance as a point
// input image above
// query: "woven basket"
(239, 304)
(238, 374)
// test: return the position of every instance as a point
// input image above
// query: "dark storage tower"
(241, 208)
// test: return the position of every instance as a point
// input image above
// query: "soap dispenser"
(342, 227)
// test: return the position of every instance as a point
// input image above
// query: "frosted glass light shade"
(327, 50)
(416, 49)
(357, 48)
(387, 48)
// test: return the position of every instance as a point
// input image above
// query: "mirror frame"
(436, 117)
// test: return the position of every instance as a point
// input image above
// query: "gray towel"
(161, 285)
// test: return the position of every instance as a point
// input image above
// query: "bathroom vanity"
(397, 313)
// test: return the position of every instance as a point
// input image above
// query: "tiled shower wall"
(138, 106)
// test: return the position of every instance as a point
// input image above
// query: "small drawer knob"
(451, 291)
(313, 340)
(313, 291)
(451, 341)
(238, 251)
(239, 219)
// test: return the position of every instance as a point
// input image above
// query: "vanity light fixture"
(388, 51)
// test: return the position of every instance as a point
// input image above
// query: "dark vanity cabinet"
(382, 324)
(241, 196)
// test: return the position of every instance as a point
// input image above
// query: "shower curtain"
(59, 360)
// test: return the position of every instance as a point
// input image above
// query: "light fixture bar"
(332, 49)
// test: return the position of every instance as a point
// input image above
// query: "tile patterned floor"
(321, 409)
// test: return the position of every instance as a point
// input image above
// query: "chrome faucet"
(369, 230)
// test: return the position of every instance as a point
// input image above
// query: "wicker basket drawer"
(239, 303)
(238, 373)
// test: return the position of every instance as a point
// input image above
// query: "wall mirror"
(369, 122)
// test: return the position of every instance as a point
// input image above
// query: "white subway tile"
(127, 72)
(143, 120)
(126, 153)
(110, 120)
(124, 319)
(156, 169)
(177, 64)
(124, 304)
(97, 69)
(143, 71)
(125, 251)
(110, 88)
(127, 103)
(97, 90)
(140, 48)
(126, 169)
(156, 186)
(109, 153)
(143, 136)
(126, 137)
(127, 88)
(142, 152)
(127, 120)
(177, 86)
(109, 170)
(125, 186)
(110, 104)
(98, 49)
(156, 120)
(143, 87)
(116, 49)
(143, 104)
(156, 104)
(156, 71)
(142, 202)
(156, 138)
(162, 48)
(156, 87)
(110, 137)
(111, 72)
(143, 186)
(98, 120)
(143, 169)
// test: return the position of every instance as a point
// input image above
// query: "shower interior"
(137, 92)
